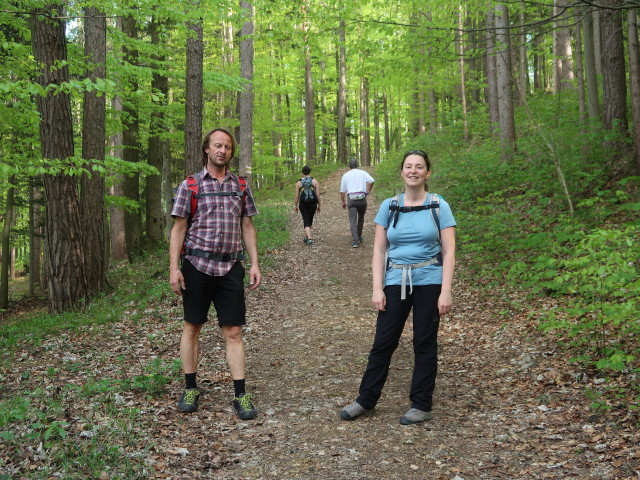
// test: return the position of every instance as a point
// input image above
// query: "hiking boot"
(305, 240)
(414, 416)
(354, 245)
(244, 407)
(189, 401)
(309, 242)
(360, 239)
(352, 411)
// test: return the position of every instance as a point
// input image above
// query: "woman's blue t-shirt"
(414, 239)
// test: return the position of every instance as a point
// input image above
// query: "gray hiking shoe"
(189, 401)
(352, 411)
(243, 406)
(414, 416)
(354, 244)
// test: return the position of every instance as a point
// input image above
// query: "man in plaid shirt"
(210, 246)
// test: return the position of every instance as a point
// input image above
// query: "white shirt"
(354, 181)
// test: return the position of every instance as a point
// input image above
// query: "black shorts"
(226, 292)
(307, 210)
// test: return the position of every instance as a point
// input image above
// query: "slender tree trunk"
(342, 95)
(634, 81)
(158, 146)
(5, 261)
(590, 54)
(613, 66)
(193, 96)
(309, 100)
(92, 208)
(376, 128)
(36, 233)
(582, 107)
(463, 92)
(524, 64)
(365, 138)
(537, 77)
(131, 143)
(563, 66)
(491, 92)
(67, 280)
(246, 95)
(116, 214)
(505, 89)
(387, 131)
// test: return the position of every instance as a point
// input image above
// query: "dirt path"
(503, 408)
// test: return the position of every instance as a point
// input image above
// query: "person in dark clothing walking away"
(307, 201)
(208, 243)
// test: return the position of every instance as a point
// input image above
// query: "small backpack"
(433, 204)
(307, 191)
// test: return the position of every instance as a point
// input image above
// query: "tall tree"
(634, 81)
(491, 90)
(158, 144)
(590, 66)
(309, 101)
(5, 260)
(365, 124)
(131, 142)
(246, 95)
(613, 66)
(65, 254)
(342, 94)
(563, 65)
(505, 88)
(194, 93)
(92, 208)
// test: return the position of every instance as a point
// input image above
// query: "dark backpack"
(307, 191)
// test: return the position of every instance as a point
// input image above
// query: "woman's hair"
(423, 154)
(306, 170)
(205, 143)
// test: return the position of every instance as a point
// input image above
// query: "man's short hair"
(353, 163)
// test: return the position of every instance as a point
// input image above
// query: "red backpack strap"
(193, 186)
(242, 183)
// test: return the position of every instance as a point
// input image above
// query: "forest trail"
(507, 403)
(503, 406)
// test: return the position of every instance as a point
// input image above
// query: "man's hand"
(177, 281)
(255, 277)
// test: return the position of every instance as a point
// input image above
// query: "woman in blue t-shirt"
(417, 274)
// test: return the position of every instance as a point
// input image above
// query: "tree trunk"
(67, 280)
(538, 82)
(582, 107)
(116, 214)
(92, 207)
(634, 82)
(155, 215)
(590, 54)
(387, 131)
(376, 129)
(365, 139)
(491, 92)
(193, 96)
(5, 261)
(36, 233)
(524, 64)
(613, 66)
(131, 144)
(342, 96)
(563, 66)
(505, 89)
(309, 100)
(463, 92)
(246, 95)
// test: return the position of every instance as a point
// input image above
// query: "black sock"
(190, 380)
(238, 385)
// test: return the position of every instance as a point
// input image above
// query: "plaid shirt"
(216, 224)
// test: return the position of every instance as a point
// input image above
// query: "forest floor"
(508, 404)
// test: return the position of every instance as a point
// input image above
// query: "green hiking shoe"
(189, 401)
(243, 406)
